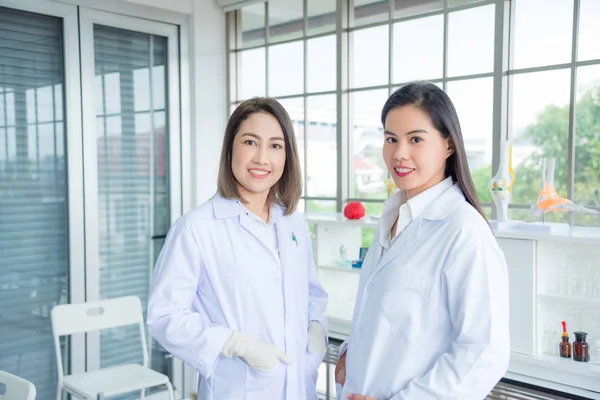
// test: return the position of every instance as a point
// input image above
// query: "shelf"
(368, 221)
(572, 234)
(340, 269)
(562, 365)
(567, 299)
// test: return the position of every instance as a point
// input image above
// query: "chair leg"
(142, 394)
(170, 389)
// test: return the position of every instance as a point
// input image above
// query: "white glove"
(317, 339)
(258, 354)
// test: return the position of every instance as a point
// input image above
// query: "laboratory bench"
(554, 276)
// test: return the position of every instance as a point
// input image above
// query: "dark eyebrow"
(386, 132)
(258, 137)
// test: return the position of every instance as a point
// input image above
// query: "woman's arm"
(171, 320)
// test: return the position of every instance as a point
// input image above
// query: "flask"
(565, 346)
(581, 349)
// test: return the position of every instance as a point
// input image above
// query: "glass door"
(132, 173)
(40, 196)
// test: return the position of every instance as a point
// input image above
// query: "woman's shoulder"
(469, 225)
(197, 218)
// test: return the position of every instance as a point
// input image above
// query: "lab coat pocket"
(265, 384)
(229, 379)
(405, 301)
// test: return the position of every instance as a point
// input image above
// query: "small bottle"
(581, 349)
(565, 346)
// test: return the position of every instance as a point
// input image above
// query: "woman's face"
(258, 155)
(414, 151)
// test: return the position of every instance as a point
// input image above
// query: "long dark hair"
(288, 189)
(436, 103)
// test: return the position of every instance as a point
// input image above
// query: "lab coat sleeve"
(171, 320)
(476, 281)
(317, 296)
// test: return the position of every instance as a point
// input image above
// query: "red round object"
(354, 210)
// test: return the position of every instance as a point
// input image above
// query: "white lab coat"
(216, 274)
(431, 313)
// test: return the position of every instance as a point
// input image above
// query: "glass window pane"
(321, 206)
(34, 263)
(368, 170)
(471, 41)
(370, 57)
(286, 19)
(252, 21)
(295, 109)
(252, 74)
(407, 8)
(286, 69)
(587, 137)
(375, 209)
(369, 11)
(541, 25)
(132, 176)
(321, 152)
(475, 116)
(589, 30)
(321, 16)
(419, 56)
(321, 64)
(540, 128)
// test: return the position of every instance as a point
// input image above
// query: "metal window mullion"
(445, 48)
(500, 82)
(572, 111)
(267, 42)
(343, 67)
(232, 20)
(390, 45)
(152, 178)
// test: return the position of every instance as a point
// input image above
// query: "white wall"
(210, 96)
(182, 6)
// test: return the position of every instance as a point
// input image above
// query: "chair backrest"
(16, 388)
(68, 319)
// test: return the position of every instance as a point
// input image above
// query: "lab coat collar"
(444, 204)
(437, 210)
(228, 208)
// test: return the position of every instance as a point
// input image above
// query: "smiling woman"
(259, 160)
(239, 267)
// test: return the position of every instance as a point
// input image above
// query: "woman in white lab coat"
(234, 292)
(431, 313)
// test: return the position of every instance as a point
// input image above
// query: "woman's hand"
(340, 370)
(351, 396)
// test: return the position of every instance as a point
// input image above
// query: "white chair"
(16, 388)
(69, 319)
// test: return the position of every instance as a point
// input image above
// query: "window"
(554, 104)
(454, 44)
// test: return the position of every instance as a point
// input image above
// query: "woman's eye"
(250, 142)
(277, 146)
(390, 140)
(416, 139)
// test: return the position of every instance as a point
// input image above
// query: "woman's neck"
(257, 203)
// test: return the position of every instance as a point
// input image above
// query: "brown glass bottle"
(565, 347)
(581, 350)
